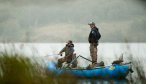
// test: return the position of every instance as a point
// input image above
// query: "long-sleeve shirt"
(69, 50)
(94, 35)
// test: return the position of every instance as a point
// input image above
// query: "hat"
(69, 41)
(91, 23)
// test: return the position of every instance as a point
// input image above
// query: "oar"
(76, 59)
(62, 68)
(85, 58)
(73, 60)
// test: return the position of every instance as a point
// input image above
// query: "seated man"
(69, 55)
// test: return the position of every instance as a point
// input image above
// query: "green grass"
(19, 69)
(139, 75)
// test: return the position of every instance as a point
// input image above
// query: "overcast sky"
(61, 20)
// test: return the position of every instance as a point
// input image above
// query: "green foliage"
(18, 69)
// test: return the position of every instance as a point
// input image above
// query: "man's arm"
(96, 34)
(63, 50)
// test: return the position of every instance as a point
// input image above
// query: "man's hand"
(60, 54)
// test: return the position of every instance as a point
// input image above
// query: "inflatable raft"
(113, 71)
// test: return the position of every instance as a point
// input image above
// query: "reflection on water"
(103, 81)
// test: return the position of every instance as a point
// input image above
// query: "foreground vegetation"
(19, 69)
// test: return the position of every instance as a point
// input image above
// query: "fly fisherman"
(69, 55)
(93, 38)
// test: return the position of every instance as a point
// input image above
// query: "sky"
(62, 20)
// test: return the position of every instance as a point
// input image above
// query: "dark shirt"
(94, 35)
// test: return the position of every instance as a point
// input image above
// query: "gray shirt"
(68, 50)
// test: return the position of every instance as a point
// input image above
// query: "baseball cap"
(91, 23)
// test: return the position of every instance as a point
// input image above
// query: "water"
(106, 51)
(101, 81)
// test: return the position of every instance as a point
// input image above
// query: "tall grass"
(18, 69)
(139, 75)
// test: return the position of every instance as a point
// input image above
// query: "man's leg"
(93, 52)
(74, 64)
(60, 61)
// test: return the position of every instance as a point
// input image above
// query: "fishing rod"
(47, 56)
(52, 55)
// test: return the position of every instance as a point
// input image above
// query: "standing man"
(93, 38)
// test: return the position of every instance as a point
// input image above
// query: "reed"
(19, 69)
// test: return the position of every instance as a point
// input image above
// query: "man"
(93, 38)
(69, 55)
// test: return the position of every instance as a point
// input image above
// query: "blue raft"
(113, 71)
